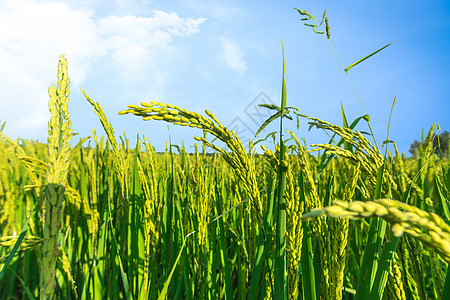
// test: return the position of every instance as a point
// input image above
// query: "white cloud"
(134, 41)
(232, 55)
(35, 33)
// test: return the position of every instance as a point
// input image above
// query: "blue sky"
(225, 56)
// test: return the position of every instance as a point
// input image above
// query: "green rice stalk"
(59, 136)
(281, 280)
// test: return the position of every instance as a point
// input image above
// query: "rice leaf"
(280, 283)
(366, 57)
(384, 265)
(307, 259)
(308, 274)
(222, 246)
(268, 121)
(13, 251)
(446, 289)
(163, 293)
(369, 264)
(347, 146)
(445, 213)
(17, 243)
(270, 106)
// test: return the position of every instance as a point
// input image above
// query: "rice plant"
(337, 220)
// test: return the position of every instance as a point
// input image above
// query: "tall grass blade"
(446, 290)
(307, 259)
(13, 251)
(384, 264)
(280, 284)
(17, 243)
(268, 121)
(163, 293)
(307, 263)
(261, 264)
(347, 146)
(445, 212)
(187, 288)
(222, 245)
(369, 263)
(366, 57)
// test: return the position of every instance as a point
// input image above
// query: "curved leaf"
(268, 121)
(366, 57)
(270, 106)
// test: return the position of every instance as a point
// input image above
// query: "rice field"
(103, 219)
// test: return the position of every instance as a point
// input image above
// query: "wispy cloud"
(232, 55)
(134, 41)
(216, 9)
(35, 33)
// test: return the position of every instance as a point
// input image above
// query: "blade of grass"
(445, 213)
(347, 146)
(14, 251)
(163, 293)
(222, 248)
(25, 287)
(187, 289)
(123, 275)
(446, 290)
(280, 284)
(307, 263)
(384, 265)
(307, 260)
(366, 57)
(369, 263)
(260, 268)
(17, 243)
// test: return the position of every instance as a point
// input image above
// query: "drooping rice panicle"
(428, 228)
(238, 158)
(119, 159)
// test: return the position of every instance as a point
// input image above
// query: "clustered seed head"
(238, 158)
(365, 154)
(429, 228)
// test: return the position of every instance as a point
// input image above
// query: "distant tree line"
(440, 143)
